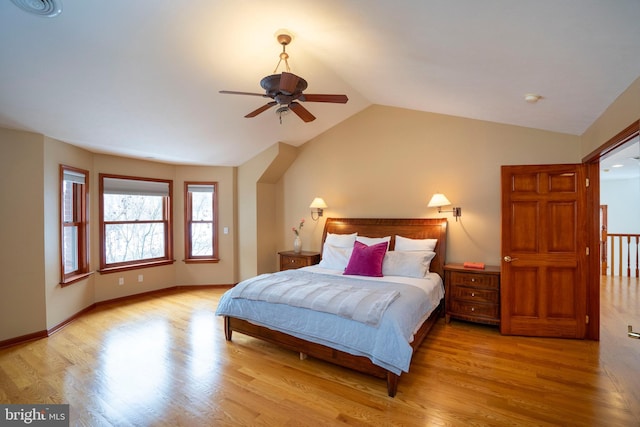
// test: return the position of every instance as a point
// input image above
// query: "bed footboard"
(319, 351)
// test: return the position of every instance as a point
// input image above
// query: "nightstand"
(472, 294)
(290, 260)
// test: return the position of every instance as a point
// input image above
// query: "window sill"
(137, 266)
(201, 260)
(76, 278)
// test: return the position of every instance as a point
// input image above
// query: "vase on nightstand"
(297, 245)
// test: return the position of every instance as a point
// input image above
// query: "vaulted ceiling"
(142, 78)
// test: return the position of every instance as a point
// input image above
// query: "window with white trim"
(201, 218)
(135, 222)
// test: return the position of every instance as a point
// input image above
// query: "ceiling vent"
(47, 8)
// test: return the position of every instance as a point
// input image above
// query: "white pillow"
(406, 244)
(373, 240)
(335, 258)
(407, 263)
(341, 240)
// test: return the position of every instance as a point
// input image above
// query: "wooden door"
(544, 246)
(603, 240)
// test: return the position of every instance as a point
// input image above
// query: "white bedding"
(333, 294)
(388, 345)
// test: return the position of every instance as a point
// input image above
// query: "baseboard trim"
(64, 323)
(48, 332)
(23, 339)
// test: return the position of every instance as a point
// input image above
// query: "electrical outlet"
(140, 278)
(120, 281)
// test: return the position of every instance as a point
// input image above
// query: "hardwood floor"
(164, 361)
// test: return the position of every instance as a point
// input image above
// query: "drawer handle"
(473, 279)
(473, 294)
(292, 261)
(473, 309)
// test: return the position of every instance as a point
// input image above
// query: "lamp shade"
(318, 203)
(437, 200)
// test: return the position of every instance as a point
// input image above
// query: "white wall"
(622, 198)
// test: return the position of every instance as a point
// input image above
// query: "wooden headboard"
(413, 228)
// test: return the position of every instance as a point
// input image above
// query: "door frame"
(592, 160)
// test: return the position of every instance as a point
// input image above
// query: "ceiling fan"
(286, 90)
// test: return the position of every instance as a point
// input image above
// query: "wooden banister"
(617, 243)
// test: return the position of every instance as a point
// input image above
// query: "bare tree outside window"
(135, 217)
(142, 239)
(200, 222)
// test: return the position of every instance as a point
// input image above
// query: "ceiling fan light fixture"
(282, 111)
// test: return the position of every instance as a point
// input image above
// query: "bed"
(385, 326)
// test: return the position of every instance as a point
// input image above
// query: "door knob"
(507, 258)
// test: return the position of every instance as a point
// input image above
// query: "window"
(135, 222)
(201, 218)
(74, 253)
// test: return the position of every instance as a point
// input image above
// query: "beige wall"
(382, 162)
(31, 298)
(387, 162)
(107, 285)
(223, 272)
(62, 303)
(257, 219)
(620, 114)
(22, 260)
(247, 199)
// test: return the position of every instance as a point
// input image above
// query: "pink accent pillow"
(367, 260)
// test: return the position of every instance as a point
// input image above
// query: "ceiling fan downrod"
(284, 40)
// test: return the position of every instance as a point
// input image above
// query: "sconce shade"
(318, 203)
(317, 207)
(438, 200)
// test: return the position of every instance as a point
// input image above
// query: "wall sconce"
(319, 205)
(438, 200)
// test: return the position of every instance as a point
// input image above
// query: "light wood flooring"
(163, 361)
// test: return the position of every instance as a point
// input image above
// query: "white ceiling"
(141, 78)
(624, 163)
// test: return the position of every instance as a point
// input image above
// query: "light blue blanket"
(333, 294)
(388, 345)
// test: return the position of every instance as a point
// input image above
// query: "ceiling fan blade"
(233, 92)
(288, 83)
(261, 109)
(302, 112)
(338, 99)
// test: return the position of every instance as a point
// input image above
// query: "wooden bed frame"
(419, 228)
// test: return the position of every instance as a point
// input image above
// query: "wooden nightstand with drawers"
(472, 294)
(290, 260)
